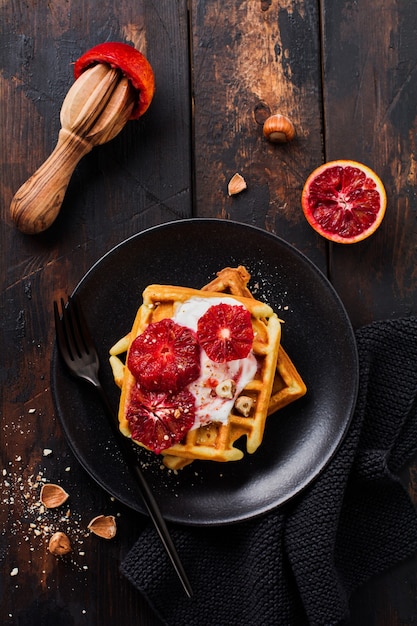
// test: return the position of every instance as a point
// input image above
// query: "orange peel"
(130, 62)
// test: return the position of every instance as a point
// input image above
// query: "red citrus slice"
(165, 357)
(225, 332)
(344, 201)
(159, 420)
(131, 62)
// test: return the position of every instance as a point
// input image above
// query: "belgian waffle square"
(215, 441)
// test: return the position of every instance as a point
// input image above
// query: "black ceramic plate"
(299, 440)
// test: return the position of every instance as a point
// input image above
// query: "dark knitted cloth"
(299, 564)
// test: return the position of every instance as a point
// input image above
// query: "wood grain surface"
(343, 71)
(372, 98)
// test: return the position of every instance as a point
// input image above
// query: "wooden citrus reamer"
(95, 110)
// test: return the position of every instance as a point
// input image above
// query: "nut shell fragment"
(104, 526)
(236, 184)
(59, 544)
(53, 495)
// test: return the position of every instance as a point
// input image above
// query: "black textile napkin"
(299, 563)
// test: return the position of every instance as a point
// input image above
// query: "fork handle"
(147, 496)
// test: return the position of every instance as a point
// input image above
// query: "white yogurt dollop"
(209, 406)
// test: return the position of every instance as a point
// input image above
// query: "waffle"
(288, 385)
(276, 384)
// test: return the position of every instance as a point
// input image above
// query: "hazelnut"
(59, 544)
(104, 526)
(244, 405)
(226, 389)
(53, 496)
(279, 129)
(236, 184)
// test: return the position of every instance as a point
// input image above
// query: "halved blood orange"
(344, 201)
(131, 62)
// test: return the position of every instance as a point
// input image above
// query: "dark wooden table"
(343, 71)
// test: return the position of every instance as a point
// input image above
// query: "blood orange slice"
(159, 420)
(344, 201)
(165, 357)
(225, 332)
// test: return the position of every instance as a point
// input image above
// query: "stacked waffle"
(275, 384)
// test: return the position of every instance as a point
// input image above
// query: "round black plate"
(299, 440)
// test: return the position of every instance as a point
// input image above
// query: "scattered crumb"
(32, 524)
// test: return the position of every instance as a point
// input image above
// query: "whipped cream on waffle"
(210, 407)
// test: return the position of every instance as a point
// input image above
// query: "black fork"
(78, 351)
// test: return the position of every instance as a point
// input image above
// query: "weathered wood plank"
(370, 88)
(249, 58)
